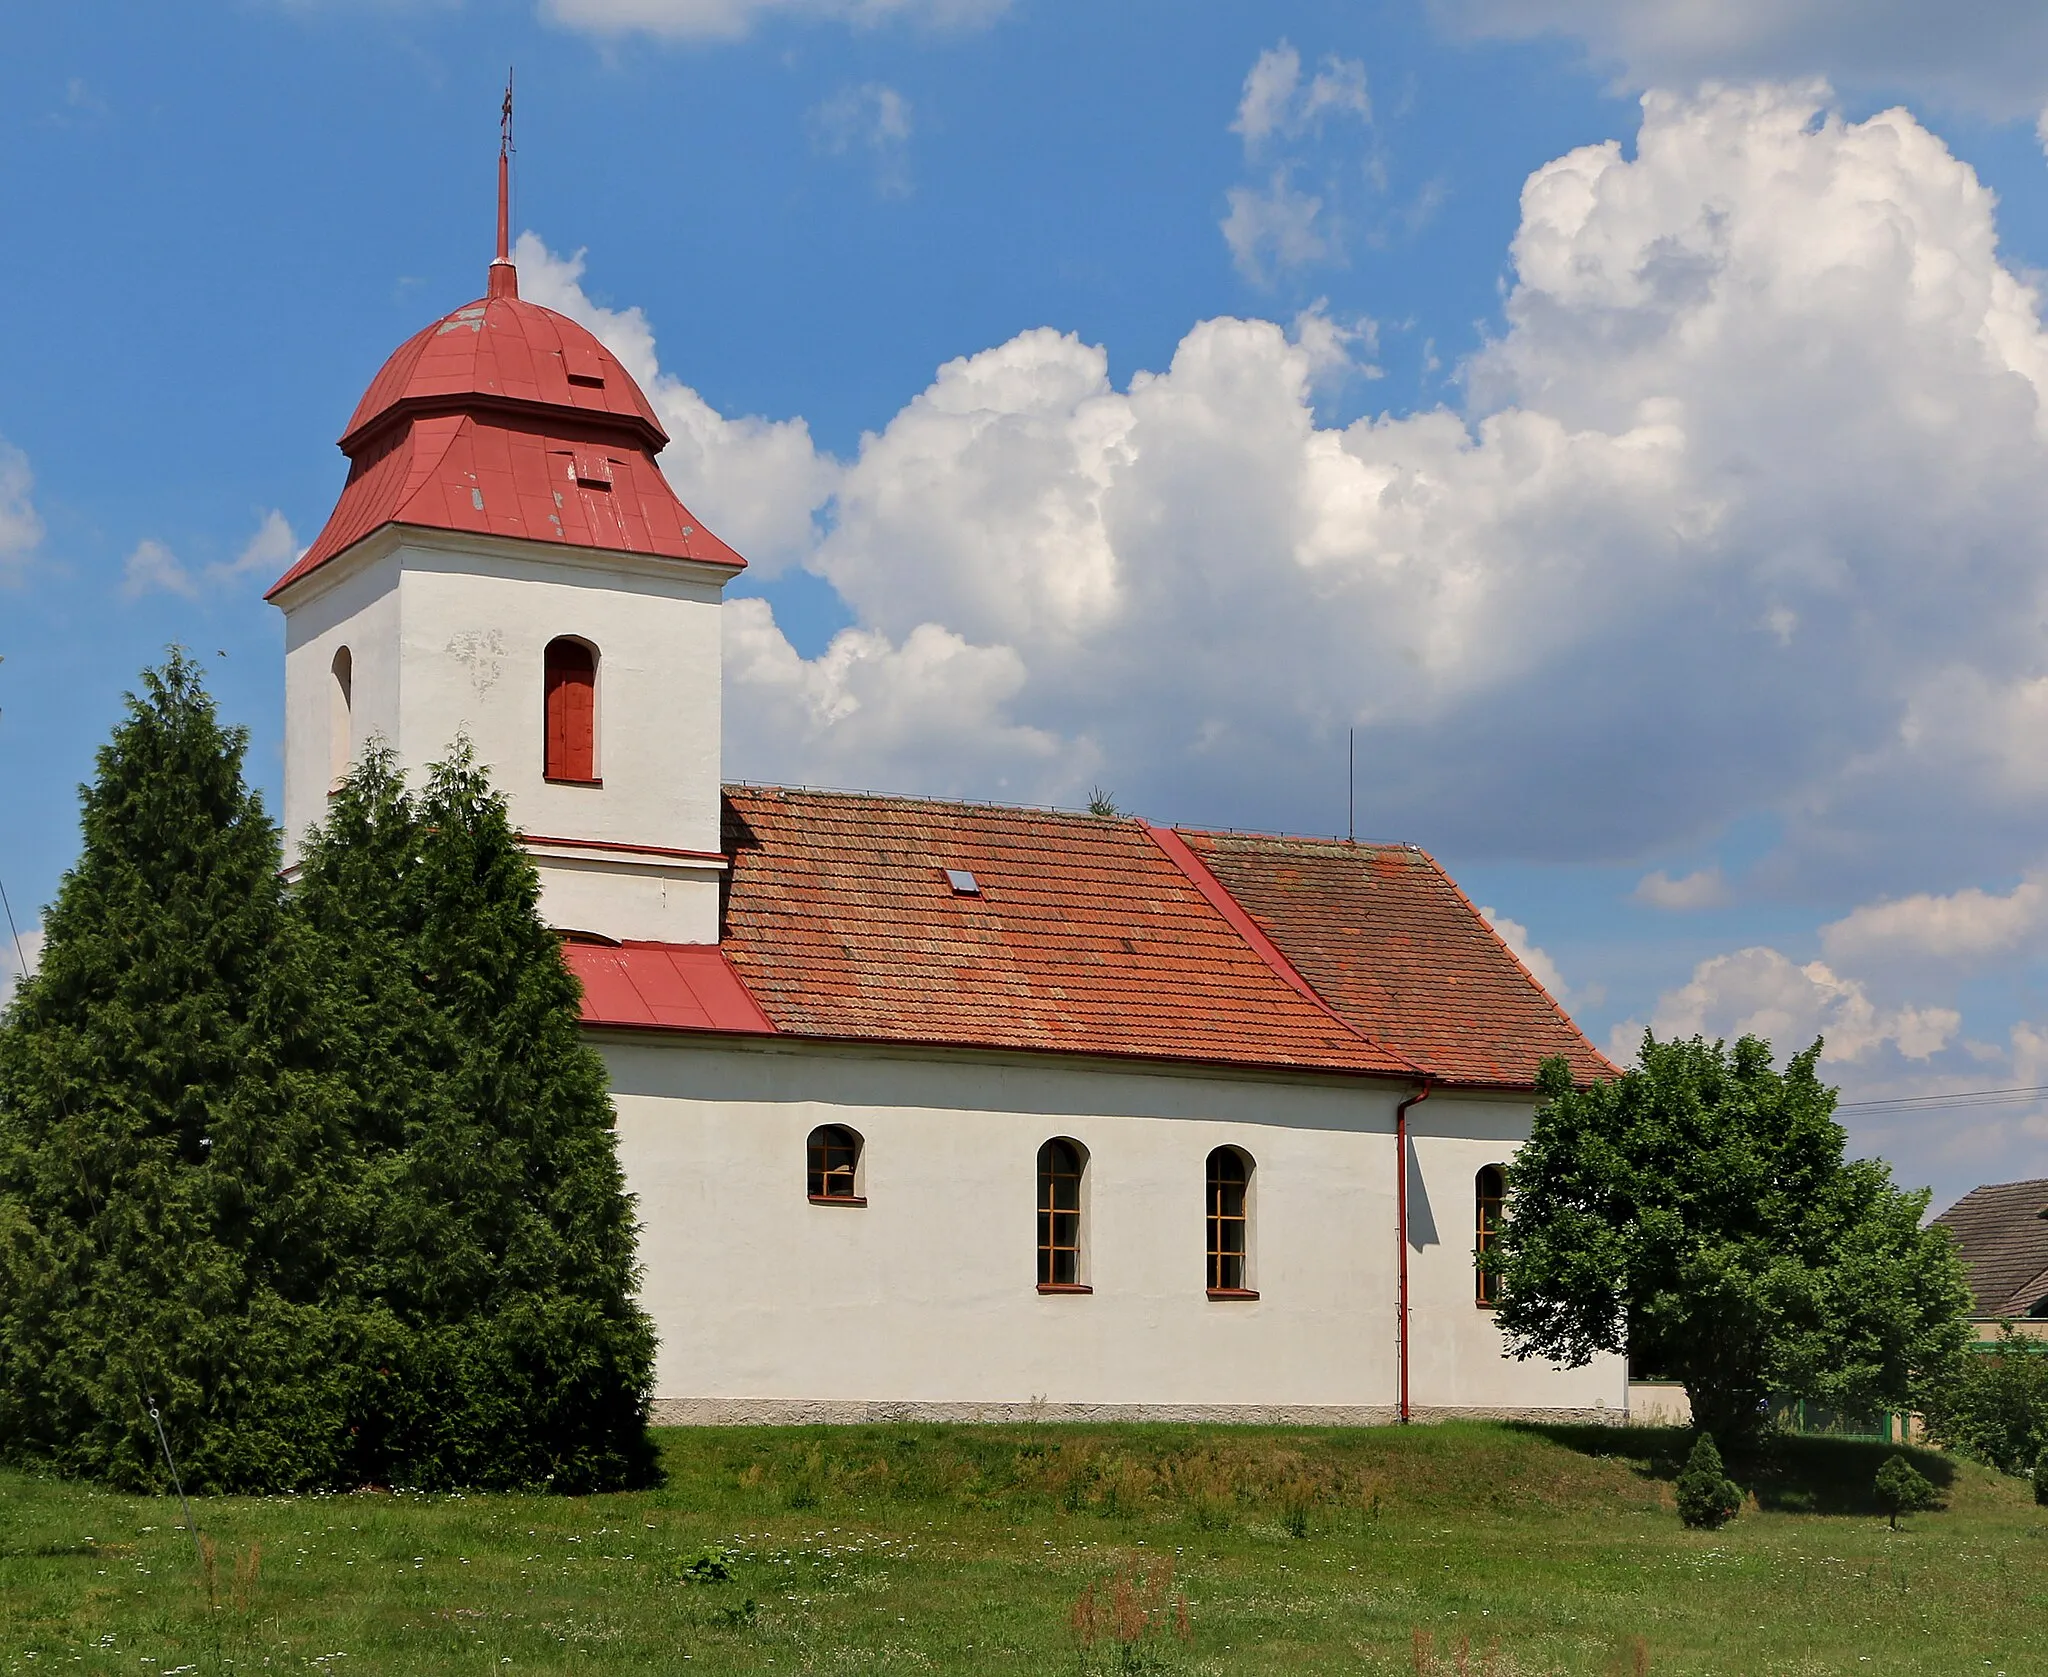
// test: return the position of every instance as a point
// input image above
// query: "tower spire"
(504, 277)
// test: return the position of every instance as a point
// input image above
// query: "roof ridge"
(1246, 925)
(1328, 839)
(910, 799)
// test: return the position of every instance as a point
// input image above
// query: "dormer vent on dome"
(507, 419)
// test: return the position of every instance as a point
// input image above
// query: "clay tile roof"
(1391, 943)
(2001, 1233)
(1085, 937)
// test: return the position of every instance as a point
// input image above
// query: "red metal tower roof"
(508, 419)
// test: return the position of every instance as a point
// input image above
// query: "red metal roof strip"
(668, 986)
(1245, 926)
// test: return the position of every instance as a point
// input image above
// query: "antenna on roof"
(505, 277)
(1351, 788)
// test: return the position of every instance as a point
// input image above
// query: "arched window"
(1229, 1208)
(341, 699)
(1489, 1189)
(571, 712)
(1060, 1164)
(832, 1166)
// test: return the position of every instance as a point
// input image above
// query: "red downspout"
(1401, 1220)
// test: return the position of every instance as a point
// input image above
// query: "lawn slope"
(1465, 1548)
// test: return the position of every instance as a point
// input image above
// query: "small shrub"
(2041, 1478)
(1902, 1489)
(1707, 1497)
(711, 1566)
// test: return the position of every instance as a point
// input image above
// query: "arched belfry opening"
(341, 719)
(570, 680)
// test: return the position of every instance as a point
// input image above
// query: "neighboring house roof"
(2001, 1232)
(1390, 941)
(1096, 936)
(507, 419)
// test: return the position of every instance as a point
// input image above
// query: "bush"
(1902, 1489)
(1707, 1497)
(2041, 1478)
(1994, 1406)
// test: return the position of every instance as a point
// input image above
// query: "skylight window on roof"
(964, 883)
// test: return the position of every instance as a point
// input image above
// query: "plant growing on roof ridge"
(1902, 1489)
(174, 1181)
(1697, 1211)
(500, 1246)
(1707, 1497)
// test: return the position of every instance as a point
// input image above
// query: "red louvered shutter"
(571, 711)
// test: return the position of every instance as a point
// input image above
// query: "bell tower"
(507, 563)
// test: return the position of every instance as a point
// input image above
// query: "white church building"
(933, 1110)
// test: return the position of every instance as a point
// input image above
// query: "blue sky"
(1144, 396)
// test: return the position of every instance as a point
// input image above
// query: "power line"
(1960, 1097)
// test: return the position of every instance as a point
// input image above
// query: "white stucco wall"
(925, 1301)
(448, 634)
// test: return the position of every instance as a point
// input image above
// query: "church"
(932, 1110)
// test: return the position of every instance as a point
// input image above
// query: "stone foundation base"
(804, 1412)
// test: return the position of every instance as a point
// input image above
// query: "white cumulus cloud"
(1989, 55)
(873, 121)
(755, 482)
(1760, 992)
(728, 20)
(153, 568)
(1277, 225)
(14, 962)
(1706, 888)
(1746, 508)
(1276, 101)
(1962, 927)
(21, 527)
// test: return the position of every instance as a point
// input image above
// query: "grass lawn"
(1456, 1549)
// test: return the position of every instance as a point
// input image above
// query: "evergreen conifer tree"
(500, 1258)
(1903, 1489)
(1707, 1497)
(174, 1191)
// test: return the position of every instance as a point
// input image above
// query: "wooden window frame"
(1061, 1208)
(1489, 1195)
(826, 1174)
(569, 728)
(1227, 1212)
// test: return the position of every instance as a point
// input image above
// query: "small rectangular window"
(964, 883)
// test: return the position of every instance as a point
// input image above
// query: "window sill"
(839, 1199)
(1485, 1304)
(1232, 1293)
(564, 780)
(1064, 1287)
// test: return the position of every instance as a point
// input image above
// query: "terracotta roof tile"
(2001, 1232)
(1392, 944)
(1086, 938)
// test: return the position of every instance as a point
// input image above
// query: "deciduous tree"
(1698, 1212)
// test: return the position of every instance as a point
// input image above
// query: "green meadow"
(1466, 1548)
